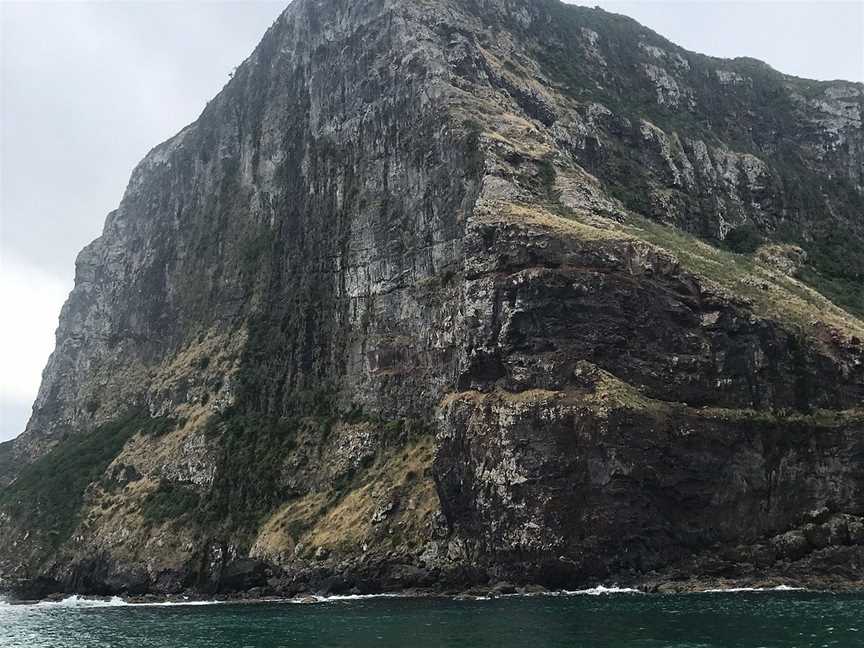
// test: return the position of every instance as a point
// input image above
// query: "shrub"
(169, 501)
(473, 153)
(744, 239)
(49, 492)
(247, 484)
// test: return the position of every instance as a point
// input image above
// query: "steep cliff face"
(438, 292)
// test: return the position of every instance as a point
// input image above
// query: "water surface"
(739, 620)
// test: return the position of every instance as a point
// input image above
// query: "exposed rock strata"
(410, 305)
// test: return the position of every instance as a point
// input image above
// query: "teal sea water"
(596, 619)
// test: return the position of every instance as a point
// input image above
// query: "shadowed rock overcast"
(88, 89)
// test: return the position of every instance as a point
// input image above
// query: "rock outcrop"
(443, 293)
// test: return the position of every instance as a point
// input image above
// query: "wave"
(70, 602)
(82, 602)
(599, 590)
(736, 590)
(182, 603)
(315, 598)
(602, 590)
(76, 602)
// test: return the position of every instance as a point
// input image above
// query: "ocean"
(598, 618)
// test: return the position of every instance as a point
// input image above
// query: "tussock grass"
(769, 292)
(604, 393)
(741, 278)
(343, 520)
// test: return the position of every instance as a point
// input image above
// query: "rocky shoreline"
(341, 587)
(496, 591)
(824, 553)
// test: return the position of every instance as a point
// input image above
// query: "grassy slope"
(771, 293)
(768, 292)
(49, 493)
(746, 117)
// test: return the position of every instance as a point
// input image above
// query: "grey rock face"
(407, 306)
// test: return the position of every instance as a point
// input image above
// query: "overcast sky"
(88, 88)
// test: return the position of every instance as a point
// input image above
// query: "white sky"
(88, 88)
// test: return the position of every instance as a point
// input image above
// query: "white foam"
(343, 597)
(181, 603)
(599, 590)
(76, 601)
(602, 590)
(735, 590)
(81, 602)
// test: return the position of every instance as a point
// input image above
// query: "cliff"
(440, 293)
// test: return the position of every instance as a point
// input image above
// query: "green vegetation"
(825, 209)
(611, 393)
(252, 249)
(814, 207)
(169, 501)
(473, 153)
(6, 459)
(341, 517)
(772, 294)
(49, 492)
(744, 239)
(274, 342)
(848, 293)
(837, 253)
(548, 175)
(817, 418)
(158, 426)
(835, 267)
(621, 86)
(247, 485)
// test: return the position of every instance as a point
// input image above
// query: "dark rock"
(818, 516)
(818, 535)
(791, 545)
(855, 528)
(838, 530)
(533, 589)
(244, 574)
(333, 585)
(408, 576)
(41, 587)
(503, 588)
(128, 581)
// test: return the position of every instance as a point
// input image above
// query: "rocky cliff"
(440, 293)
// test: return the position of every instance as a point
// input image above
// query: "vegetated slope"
(439, 293)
